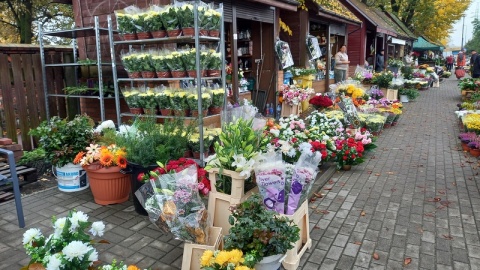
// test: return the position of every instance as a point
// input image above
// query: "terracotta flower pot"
(134, 75)
(475, 152)
(465, 147)
(188, 31)
(108, 185)
(203, 32)
(166, 112)
(36, 266)
(130, 36)
(180, 112)
(164, 74)
(387, 125)
(215, 110)
(195, 113)
(174, 33)
(148, 74)
(179, 73)
(346, 167)
(136, 110)
(143, 35)
(214, 33)
(193, 73)
(159, 34)
(213, 73)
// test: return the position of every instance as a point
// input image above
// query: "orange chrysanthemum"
(121, 162)
(133, 267)
(78, 157)
(106, 159)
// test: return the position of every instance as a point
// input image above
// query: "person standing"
(341, 65)
(475, 66)
(472, 60)
(449, 63)
(409, 59)
(461, 59)
(380, 61)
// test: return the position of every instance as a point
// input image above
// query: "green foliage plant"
(259, 232)
(62, 139)
(411, 93)
(407, 72)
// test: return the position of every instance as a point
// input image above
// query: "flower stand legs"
(300, 218)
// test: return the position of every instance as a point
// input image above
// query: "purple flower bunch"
(376, 94)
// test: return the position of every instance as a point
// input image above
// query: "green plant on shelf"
(83, 89)
(87, 62)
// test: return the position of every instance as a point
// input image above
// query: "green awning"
(422, 44)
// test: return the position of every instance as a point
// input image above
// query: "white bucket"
(271, 262)
(71, 178)
(404, 98)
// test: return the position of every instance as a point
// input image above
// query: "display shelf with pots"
(82, 32)
(195, 40)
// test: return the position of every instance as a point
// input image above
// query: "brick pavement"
(416, 161)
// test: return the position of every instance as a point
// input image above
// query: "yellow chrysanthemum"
(206, 259)
(236, 256)
(222, 257)
(242, 267)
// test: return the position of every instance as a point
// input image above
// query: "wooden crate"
(392, 94)
(300, 218)
(219, 203)
(193, 252)
(287, 110)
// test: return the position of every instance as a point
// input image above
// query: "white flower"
(76, 218)
(93, 257)
(54, 262)
(305, 147)
(291, 152)
(59, 225)
(275, 132)
(285, 146)
(75, 249)
(106, 267)
(239, 161)
(30, 235)
(97, 228)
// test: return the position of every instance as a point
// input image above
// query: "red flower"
(294, 140)
(345, 157)
(324, 154)
(321, 101)
(354, 157)
(140, 177)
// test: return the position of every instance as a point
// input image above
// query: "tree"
(430, 18)
(19, 19)
(474, 43)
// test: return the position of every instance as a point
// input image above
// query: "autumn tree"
(20, 19)
(474, 43)
(431, 18)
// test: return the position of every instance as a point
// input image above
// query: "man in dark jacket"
(475, 66)
(472, 60)
(380, 61)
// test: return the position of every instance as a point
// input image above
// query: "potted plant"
(161, 67)
(175, 64)
(227, 260)
(382, 79)
(62, 140)
(349, 152)
(103, 164)
(68, 247)
(395, 64)
(192, 101)
(147, 142)
(35, 159)
(320, 102)
(466, 138)
(132, 64)
(214, 64)
(475, 147)
(170, 20)
(218, 100)
(126, 25)
(259, 233)
(214, 18)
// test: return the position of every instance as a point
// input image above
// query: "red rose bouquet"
(320, 101)
(349, 152)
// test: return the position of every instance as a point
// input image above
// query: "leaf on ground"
(375, 256)
(469, 161)
(441, 192)
(377, 174)
(316, 227)
(420, 186)
(325, 212)
(447, 236)
(312, 200)
(318, 195)
(393, 189)
(342, 184)
(369, 172)
(331, 182)
(373, 157)
(103, 241)
(436, 199)
(357, 243)
(470, 178)
(390, 173)
(420, 230)
(445, 203)
(327, 188)
(454, 183)
(407, 261)
(429, 214)
(363, 213)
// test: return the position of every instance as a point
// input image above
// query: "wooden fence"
(22, 97)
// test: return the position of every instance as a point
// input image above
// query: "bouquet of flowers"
(163, 99)
(313, 47)
(376, 94)
(169, 17)
(349, 111)
(283, 53)
(375, 122)
(177, 202)
(218, 97)
(349, 152)
(320, 101)
(175, 61)
(320, 125)
(367, 76)
(131, 96)
(68, 247)
(395, 62)
(159, 62)
(106, 156)
(131, 62)
(365, 138)
(351, 90)
(147, 100)
(223, 260)
(294, 95)
(125, 23)
(214, 60)
(178, 101)
(192, 100)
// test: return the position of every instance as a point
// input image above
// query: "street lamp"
(463, 26)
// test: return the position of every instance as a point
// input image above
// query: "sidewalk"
(384, 206)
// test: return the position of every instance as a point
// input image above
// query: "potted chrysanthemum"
(103, 165)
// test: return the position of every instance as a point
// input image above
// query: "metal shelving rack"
(181, 39)
(75, 33)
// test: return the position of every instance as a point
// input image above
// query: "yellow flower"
(236, 256)
(242, 267)
(205, 95)
(222, 257)
(205, 260)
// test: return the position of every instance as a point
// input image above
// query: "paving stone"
(341, 240)
(334, 253)
(363, 259)
(345, 263)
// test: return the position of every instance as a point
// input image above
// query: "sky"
(456, 35)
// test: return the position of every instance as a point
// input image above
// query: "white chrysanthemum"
(76, 218)
(305, 147)
(30, 235)
(93, 257)
(76, 249)
(107, 267)
(59, 225)
(275, 132)
(97, 228)
(54, 262)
